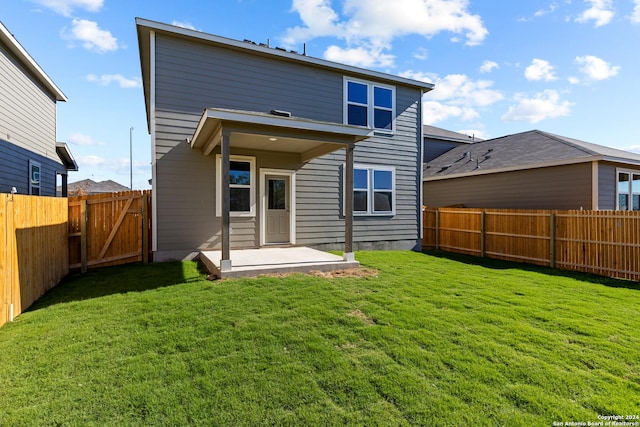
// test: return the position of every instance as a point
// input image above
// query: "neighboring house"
(438, 141)
(253, 146)
(89, 186)
(30, 158)
(534, 170)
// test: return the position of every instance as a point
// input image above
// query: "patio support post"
(348, 204)
(225, 262)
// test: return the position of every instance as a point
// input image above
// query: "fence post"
(145, 229)
(83, 236)
(437, 229)
(552, 240)
(483, 247)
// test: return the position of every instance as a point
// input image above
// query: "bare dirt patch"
(350, 272)
(360, 315)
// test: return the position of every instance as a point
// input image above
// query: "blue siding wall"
(14, 170)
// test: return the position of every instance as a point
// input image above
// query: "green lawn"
(431, 340)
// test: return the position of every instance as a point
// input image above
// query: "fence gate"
(109, 229)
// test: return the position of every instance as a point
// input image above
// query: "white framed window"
(628, 190)
(371, 105)
(374, 190)
(242, 187)
(34, 178)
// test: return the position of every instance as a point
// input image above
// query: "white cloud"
(422, 53)
(434, 112)
(107, 79)
(66, 7)
(374, 24)
(540, 70)
(635, 15)
(601, 12)
(360, 56)
(633, 148)
(488, 66)
(77, 138)
(551, 9)
(455, 95)
(542, 106)
(187, 25)
(595, 68)
(91, 36)
(118, 166)
(574, 80)
(473, 133)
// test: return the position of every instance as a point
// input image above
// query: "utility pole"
(131, 158)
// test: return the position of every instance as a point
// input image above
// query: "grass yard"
(431, 340)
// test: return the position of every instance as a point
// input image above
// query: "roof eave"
(237, 44)
(30, 64)
(66, 157)
(541, 165)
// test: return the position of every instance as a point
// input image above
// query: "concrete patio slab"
(253, 262)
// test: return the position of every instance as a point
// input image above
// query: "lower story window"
(628, 190)
(34, 178)
(373, 190)
(241, 185)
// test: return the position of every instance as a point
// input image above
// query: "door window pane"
(277, 194)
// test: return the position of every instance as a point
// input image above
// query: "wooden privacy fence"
(34, 251)
(109, 229)
(600, 242)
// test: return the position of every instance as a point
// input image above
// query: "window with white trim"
(374, 190)
(242, 174)
(370, 105)
(628, 190)
(34, 178)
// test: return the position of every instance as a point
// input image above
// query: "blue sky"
(569, 67)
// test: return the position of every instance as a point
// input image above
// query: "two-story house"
(255, 146)
(30, 158)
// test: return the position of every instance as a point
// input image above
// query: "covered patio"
(253, 262)
(274, 132)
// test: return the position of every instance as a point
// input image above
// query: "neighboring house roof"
(526, 150)
(65, 155)
(447, 135)
(29, 63)
(89, 186)
(146, 27)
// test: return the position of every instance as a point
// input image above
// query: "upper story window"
(370, 105)
(34, 178)
(628, 190)
(242, 171)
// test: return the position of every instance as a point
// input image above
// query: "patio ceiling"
(271, 132)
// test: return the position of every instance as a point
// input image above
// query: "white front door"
(277, 209)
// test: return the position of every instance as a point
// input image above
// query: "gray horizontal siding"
(191, 77)
(559, 187)
(400, 151)
(14, 170)
(27, 111)
(607, 183)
